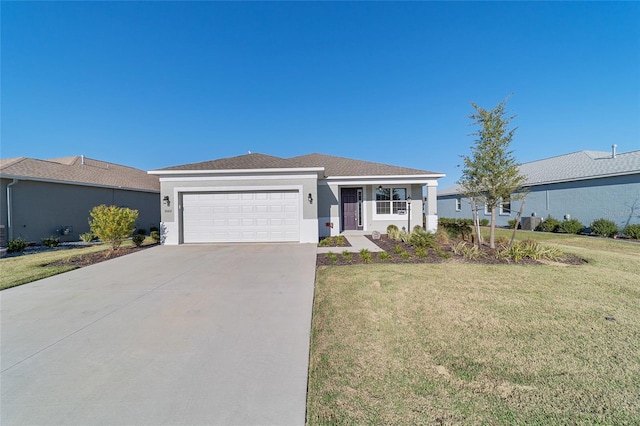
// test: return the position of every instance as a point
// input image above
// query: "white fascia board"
(67, 182)
(315, 170)
(388, 177)
(237, 178)
(382, 180)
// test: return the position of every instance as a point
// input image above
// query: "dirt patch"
(87, 259)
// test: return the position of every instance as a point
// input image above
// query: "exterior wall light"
(310, 198)
(166, 201)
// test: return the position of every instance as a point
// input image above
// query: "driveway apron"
(172, 335)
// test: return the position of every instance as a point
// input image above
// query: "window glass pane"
(399, 194)
(383, 207)
(506, 206)
(458, 204)
(383, 194)
(399, 205)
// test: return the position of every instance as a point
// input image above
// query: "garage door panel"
(241, 217)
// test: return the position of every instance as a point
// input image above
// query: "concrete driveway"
(180, 335)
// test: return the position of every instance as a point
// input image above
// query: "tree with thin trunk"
(490, 174)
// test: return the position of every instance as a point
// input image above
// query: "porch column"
(430, 207)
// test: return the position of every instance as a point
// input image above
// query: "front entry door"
(349, 201)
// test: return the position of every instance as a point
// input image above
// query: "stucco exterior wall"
(613, 198)
(41, 209)
(175, 187)
(330, 209)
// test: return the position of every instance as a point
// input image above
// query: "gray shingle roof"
(73, 170)
(334, 166)
(579, 165)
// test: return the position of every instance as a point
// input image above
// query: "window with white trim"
(487, 210)
(391, 200)
(458, 204)
(505, 206)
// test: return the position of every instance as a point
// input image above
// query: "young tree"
(490, 175)
(112, 224)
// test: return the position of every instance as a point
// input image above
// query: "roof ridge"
(11, 161)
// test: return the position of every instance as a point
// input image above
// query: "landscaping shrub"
(550, 224)
(383, 255)
(529, 249)
(87, 237)
(50, 241)
(16, 246)
(347, 255)
(398, 249)
(155, 236)
(421, 252)
(332, 257)
(442, 237)
(138, 239)
(468, 251)
(365, 255)
(513, 223)
(405, 255)
(604, 227)
(404, 236)
(112, 224)
(154, 228)
(502, 241)
(141, 231)
(339, 240)
(393, 232)
(456, 228)
(422, 239)
(632, 231)
(484, 222)
(571, 226)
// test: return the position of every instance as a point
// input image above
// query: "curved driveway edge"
(194, 334)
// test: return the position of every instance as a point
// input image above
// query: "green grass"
(28, 268)
(458, 343)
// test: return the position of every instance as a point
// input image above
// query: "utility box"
(530, 223)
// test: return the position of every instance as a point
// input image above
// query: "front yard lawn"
(465, 343)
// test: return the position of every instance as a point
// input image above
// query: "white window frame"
(502, 210)
(458, 204)
(487, 212)
(391, 215)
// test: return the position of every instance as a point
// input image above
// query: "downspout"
(9, 209)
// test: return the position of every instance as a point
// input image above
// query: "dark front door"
(349, 201)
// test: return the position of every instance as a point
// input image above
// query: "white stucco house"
(262, 198)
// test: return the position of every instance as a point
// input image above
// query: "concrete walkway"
(172, 335)
(358, 242)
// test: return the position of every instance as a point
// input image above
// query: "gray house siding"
(41, 209)
(614, 198)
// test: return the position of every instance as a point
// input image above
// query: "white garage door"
(240, 217)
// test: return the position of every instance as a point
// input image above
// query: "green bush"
(422, 239)
(468, 251)
(456, 228)
(393, 232)
(154, 228)
(112, 224)
(571, 226)
(513, 223)
(347, 255)
(138, 239)
(383, 255)
(333, 258)
(50, 241)
(550, 224)
(16, 246)
(141, 231)
(398, 249)
(365, 255)
(604, 227)
(484, 222)
(502, 241)
(421, 252)
(87, 237)
(529, 249)
(632, 231)
(155, 236)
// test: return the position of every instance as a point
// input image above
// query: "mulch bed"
(91, 258)
(408, 255)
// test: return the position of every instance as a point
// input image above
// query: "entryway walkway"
(358, 242)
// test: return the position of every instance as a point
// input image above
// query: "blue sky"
(155, 84)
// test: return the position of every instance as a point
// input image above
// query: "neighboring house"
(584, 185)
(42, 198)
(258, 197)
